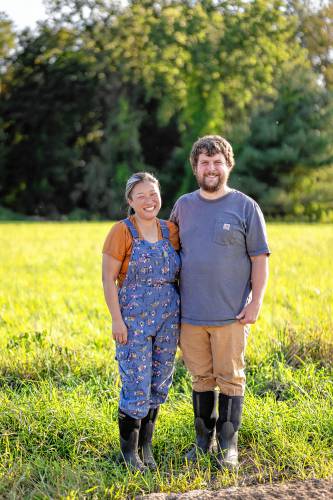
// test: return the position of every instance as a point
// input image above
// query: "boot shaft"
(205, 406)
(146, 437)
(127, 424)
(230, 410)
(129, 438)
(148, 426)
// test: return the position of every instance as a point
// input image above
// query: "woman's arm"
(110, 271)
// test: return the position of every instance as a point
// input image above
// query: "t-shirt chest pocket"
(227, 233)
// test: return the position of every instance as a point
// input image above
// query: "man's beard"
(210, 188)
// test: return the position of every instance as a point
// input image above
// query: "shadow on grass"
(101, 382)
(31, 359)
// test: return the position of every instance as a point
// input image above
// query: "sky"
(23, 12)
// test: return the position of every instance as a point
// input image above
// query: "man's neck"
(216, 194)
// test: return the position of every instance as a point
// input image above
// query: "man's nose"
(211, 166)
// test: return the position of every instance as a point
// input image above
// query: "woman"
(140, 271)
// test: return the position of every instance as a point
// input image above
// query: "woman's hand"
(119, 331)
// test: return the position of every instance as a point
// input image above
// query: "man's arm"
(259, 278)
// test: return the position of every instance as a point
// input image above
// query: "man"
(223, 279)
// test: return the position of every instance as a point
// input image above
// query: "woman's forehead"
(145, 187)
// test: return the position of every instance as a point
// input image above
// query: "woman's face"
(145, 200)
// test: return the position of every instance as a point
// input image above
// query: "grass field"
(59, 383)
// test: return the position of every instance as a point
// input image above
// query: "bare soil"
(298, 490)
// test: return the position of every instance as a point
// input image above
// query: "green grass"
(59, 383)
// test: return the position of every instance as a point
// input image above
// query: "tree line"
(103, 89)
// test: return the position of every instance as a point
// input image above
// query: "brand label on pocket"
(226, 227)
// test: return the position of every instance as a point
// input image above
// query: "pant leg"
(228, 351)
(163, 359)
(135, 367)
(195, 344)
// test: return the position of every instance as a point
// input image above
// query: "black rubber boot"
(145, 438)
(129, 437)
(204, 406)
(228, 423)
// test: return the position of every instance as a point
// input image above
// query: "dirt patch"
(298, 490)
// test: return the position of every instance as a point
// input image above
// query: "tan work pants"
(214, 356)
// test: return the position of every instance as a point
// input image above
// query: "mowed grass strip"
(59, 382)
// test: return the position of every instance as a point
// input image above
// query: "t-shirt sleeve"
(256, 236)
(174, 235)
(174, 216)
(116, 242)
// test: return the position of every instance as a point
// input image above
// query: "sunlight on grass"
(59, 382)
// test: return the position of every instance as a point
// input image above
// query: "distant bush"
(7, 214)
(80, 214)
(312, 200)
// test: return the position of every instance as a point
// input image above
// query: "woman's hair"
(136, 179)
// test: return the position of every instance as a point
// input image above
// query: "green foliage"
(312, 198)
(59, 381)
(105, 88)
(7, 37)
(48, 111)
(120, 156)
(315, 29)
(288, 137)
(6, 215)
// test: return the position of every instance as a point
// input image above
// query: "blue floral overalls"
(149, 304)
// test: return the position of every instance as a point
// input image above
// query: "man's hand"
(119, 331)
(249, 313)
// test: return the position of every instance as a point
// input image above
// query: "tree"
(103, 89)
(7, 38)
(48, 111)
(315, 31)
(119, 156)
(288, 138)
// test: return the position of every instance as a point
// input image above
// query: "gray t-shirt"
(217, 239)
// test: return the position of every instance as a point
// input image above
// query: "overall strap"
(131, 228)
(164, 229)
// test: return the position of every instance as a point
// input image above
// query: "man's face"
(212, 172)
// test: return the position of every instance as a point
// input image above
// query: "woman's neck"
(147, 228)
(148, 223)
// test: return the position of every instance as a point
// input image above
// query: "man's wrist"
(256, 301)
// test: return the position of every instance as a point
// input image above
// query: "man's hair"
(212, 145)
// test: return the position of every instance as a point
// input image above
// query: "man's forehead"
(205, 154)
